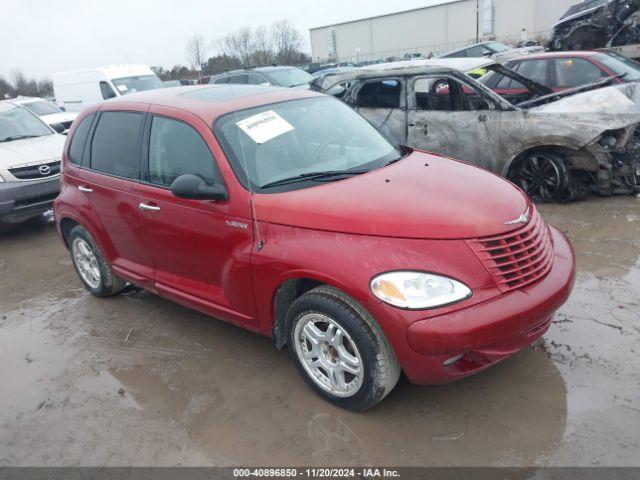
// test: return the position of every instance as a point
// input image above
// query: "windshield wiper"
(313, 176)
(16, 137)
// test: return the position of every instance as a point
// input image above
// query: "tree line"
(280, 44)
(19, 84)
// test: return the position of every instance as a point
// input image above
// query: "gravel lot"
(185, 389)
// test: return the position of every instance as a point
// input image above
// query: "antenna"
(254, 217)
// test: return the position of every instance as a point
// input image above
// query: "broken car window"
(447, 95)
(380, 94)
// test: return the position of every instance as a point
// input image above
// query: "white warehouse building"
(437, 29)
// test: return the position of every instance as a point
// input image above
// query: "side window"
(380, 94)
(448, 95)
(436, 94)
(175, 148)
(460, 54)
(507, 83)
(477, 52)
(106, 91)
(240, 79)
(574, 72)
(116, 144)
(79, 140)
(255, 79)
(535, 70)
(221, 80)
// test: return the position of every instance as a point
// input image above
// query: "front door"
(452, 118)
(201, 248)
(109, 182)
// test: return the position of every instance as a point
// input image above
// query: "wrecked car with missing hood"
(597, 24)
(557, 146)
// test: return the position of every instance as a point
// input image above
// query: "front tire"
(339, 349)
(93, 270)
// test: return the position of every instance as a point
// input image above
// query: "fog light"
(452, 360)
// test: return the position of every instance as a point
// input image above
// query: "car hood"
(31, 151)
(62, 117)
(593, 112)
(422, 196)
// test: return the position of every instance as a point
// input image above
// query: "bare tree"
(196, 52)
(287, 41)
(262, 47)
(240, 44)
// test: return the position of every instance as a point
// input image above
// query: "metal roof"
(443, 2)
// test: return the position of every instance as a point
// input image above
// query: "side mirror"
(195, 187)
(58, 127)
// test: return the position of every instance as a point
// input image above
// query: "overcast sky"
(42, 37)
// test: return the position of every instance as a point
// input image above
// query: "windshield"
(300, 137)
(17, 123)
(42, 107)
(289, 77)
(620, 65)
(128, 85)
(498, 47)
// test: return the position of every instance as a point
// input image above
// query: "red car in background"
(562, 71)
(286, 213)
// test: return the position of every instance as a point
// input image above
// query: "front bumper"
(22, 200)
(489, 332)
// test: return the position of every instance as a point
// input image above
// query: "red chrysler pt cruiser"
(286, 213)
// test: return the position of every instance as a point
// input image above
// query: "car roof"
(539, 56)
(212, 101)
(460, 64)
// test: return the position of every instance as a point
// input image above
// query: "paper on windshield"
(265, 126)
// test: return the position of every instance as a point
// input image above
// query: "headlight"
(418, 290)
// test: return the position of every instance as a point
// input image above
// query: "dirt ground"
(185, 389)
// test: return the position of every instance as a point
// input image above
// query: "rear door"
(452, 118)
(201, 248)
(109, 181)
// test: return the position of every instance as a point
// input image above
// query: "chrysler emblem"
(524, 218)
(44, 169)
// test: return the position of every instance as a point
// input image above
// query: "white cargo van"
(79, 89)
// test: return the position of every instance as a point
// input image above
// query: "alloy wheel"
(328, 354)
(87, 262)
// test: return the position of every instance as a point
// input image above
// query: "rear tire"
(340, 350)
(91, 266)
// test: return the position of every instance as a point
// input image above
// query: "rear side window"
(116, 144)
(79, 140)
(175, 148)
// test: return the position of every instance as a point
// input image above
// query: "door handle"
(85, 189)
(482, 117)
(147, 207)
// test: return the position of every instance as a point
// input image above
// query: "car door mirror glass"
(195, 187)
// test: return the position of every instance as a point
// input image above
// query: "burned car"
(557, 146)
(598, 24)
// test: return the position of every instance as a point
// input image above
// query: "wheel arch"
(286, 293)
(559, 147)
